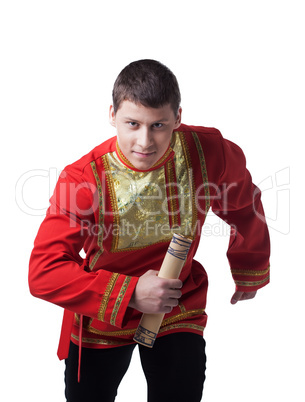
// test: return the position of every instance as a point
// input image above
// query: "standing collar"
(167, 155)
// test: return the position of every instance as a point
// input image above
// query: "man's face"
(144, 133)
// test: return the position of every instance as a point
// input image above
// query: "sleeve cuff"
(250, 280)
(116, 299)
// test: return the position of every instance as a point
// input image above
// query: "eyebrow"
(156, 121)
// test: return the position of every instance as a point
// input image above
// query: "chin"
(143, 165)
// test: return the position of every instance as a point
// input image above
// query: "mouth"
(143, 154)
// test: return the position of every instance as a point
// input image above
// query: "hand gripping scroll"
(171, 267)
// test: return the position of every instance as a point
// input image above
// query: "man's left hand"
(239, 295)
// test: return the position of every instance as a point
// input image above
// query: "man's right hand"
(154, 295)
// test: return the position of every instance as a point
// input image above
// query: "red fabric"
(66, 329)
(59, 275)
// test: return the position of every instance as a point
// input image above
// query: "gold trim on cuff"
(105, 299)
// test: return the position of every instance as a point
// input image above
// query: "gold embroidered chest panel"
(148, 207)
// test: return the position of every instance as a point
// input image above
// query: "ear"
(178, 118)
(112, 116)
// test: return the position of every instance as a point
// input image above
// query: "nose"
(145, 138)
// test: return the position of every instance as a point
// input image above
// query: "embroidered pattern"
(175, 326)
(101, 216)
(105, 299)
(109, 342)
(114, 206)
(187, 156)
(204, 173)
(250, 283)
(119, 300)
(145, 209)
(182, 316)
(247, 272)
(172, 194)
(139, 198)
(122, 156)
(129, 164)
(100, 341)
(123, 332)
(164, 157)
(166, 322)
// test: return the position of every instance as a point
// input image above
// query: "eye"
(157, 125)
(132, 124)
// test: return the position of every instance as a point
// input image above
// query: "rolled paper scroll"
(171, 267)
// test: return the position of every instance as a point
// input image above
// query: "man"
(121, 203)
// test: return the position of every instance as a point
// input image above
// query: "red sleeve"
(239, 204)
(58, 274)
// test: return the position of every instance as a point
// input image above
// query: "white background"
(240, 65)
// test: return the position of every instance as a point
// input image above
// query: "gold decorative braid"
(105, 299)
(128, 163)
(182, 325)
(172, 196)
(116, 217)
(123, 332)
(122, 156)
(182, 316)
(119, 300)
(250, 272)
(187, 157)
(108, 342)
(101, 341)
(138, 247)
(166, 322)
(249, 283)
(204, 172)
(101, 216)
(95, 258)
(163, 158)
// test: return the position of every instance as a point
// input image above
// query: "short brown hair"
(149, 83)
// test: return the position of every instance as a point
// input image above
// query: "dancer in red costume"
(121, 203)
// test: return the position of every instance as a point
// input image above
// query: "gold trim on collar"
(122, 156)
(158, 164)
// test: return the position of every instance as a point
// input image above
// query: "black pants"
(174, 369)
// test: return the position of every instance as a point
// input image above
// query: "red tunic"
(124, 218)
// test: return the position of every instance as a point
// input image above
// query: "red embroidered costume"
(124, 218)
